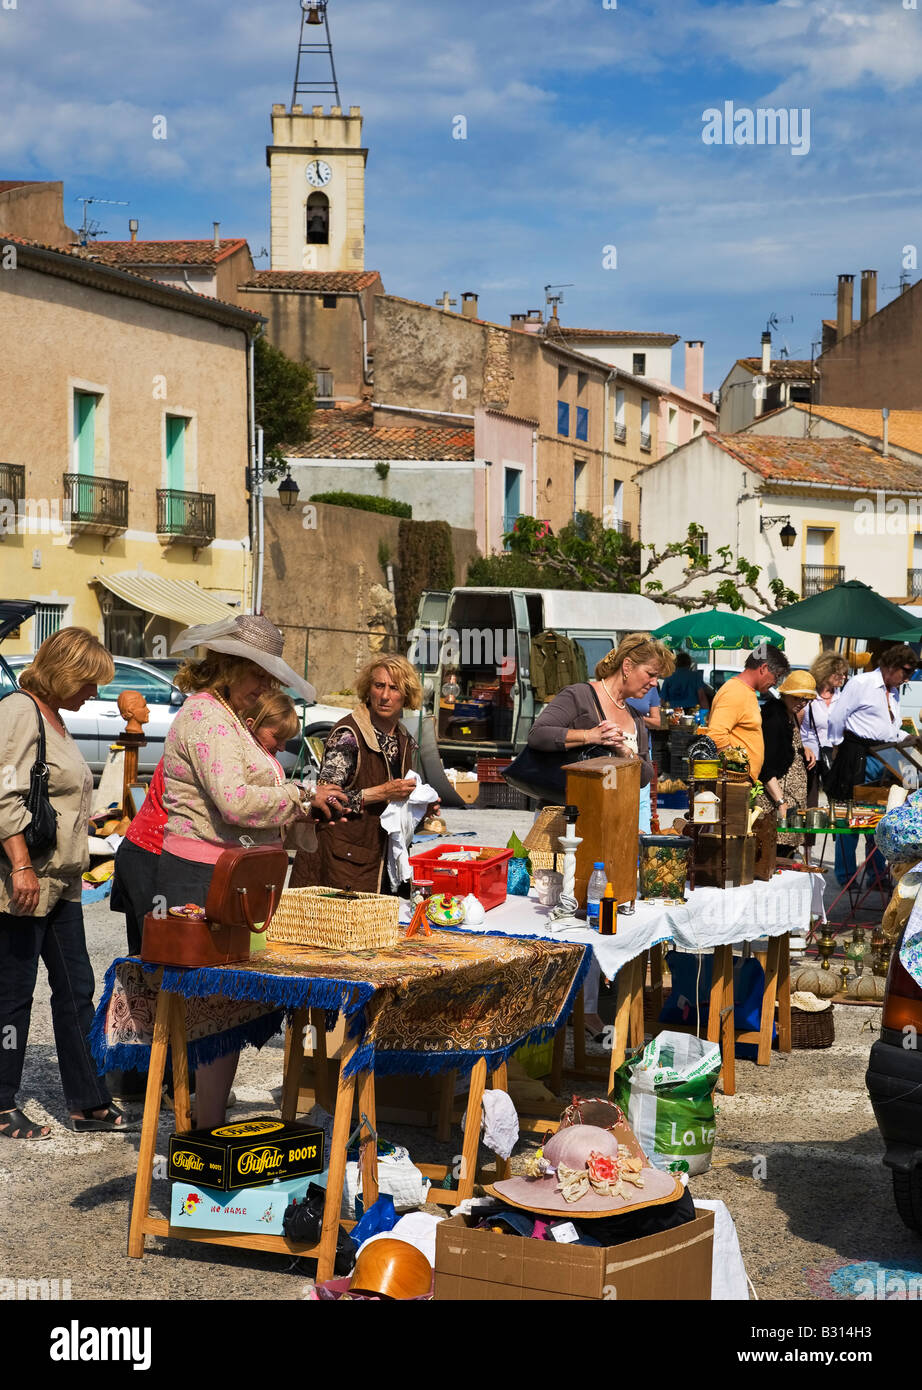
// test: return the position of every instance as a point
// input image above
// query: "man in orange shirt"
(735, 720)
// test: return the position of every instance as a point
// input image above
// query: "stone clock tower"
(317, 188)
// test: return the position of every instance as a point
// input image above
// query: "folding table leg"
(182, 1104)
(370, 1148)
(500, 1082)
(342, 1121)
(638, 979)
(784, 993)
(148, 1145)
(656, 978)
(447, 1085)
(472, 1130)
(764, 1055)
(294, 1056)
(622, 1020)
(579, 1032)
(323, 1091)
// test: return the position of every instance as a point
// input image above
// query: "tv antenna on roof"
(774, 320)
(90, 227)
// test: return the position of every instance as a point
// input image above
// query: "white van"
(482, 638)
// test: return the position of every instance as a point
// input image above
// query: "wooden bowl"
(391, 1269)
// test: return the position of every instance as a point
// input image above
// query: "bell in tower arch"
(318, 219)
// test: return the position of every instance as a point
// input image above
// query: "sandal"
(19, 1126)
(113, 1122)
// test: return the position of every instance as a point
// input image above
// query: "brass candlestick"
(826, 945)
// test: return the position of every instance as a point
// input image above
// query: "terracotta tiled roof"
(129, 253)
(782, 368)
(320, 281)
(836, 462)
(904, 428)
(552, 327)
(346, 413)
(386, 442)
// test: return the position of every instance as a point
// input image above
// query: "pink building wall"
(505, 441)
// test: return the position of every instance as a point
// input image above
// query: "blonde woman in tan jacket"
(41, 917)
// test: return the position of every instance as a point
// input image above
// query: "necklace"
(618, 704)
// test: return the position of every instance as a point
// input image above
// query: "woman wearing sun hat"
(220, 785)
(787, 761)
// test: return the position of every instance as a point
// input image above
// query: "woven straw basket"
(543, 859)
(327, 918)
(812, 1030)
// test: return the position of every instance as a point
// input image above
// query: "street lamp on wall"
(787, 534)
(288, 492)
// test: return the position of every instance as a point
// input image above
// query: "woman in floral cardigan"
(221, 788)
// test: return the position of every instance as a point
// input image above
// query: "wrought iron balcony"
(816, 579)
(12, 486)
(622, 527)
(185, 516)
(97, 505)
(646, 443)
(914, 583)
(620, 433)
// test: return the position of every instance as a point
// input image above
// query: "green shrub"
(425, 561)
(364, 503)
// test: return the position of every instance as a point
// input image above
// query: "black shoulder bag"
(826, 756)
(539, 773)
(41, 834)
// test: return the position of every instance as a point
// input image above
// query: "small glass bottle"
(608, 912)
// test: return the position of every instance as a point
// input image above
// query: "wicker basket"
(812, 1030)
(543, 859)
(334, 920)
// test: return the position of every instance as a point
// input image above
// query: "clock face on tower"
(319, 173)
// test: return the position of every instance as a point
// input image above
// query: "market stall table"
(435, 1004)
(710, 919)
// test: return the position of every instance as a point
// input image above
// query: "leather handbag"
(41, 834)
(242, 897)
(539, 773)
(826, 756)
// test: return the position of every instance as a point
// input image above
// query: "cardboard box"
(871, 794)
(249, 1153)
(468, 791)
(476, 1266)
(254, 1209)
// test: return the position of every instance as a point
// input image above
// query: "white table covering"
(710, 917)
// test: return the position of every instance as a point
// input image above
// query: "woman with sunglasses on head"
(868, 712)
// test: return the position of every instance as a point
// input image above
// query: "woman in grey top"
(41, 916)
(595, 712)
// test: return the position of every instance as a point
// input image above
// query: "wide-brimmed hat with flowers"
(251, 637)
(585, 1172)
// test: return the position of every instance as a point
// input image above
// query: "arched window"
(318, 219)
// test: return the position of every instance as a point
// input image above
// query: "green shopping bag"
(667, 1095)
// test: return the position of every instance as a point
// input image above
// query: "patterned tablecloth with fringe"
(427, 1005)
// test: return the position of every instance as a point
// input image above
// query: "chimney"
(217, 235)
(133, 228)
(766, 353)
(694, 367)
(868, 294)
(844, 303)
(469, 304)
(885, 413)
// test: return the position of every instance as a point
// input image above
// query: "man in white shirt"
(867, 712)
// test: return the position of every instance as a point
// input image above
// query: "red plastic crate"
(491, 769)
(485, 878)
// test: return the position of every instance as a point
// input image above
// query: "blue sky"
(584, 130)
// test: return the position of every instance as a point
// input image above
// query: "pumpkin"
(814, 980)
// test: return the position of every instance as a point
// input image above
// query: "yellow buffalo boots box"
(246, 1154)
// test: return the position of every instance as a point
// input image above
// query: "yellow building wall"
(145, 362)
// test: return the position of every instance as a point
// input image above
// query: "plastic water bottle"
(596, 888)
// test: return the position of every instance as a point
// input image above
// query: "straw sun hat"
(250, 636)
(800, 684)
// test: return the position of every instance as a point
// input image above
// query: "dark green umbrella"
(850, 609)
(711, 630)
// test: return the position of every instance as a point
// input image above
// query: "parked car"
(97, 723)
(13, 613)
(894, 1079)
(304, 752)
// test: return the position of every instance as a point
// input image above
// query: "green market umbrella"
(850, 609)
(712, 630)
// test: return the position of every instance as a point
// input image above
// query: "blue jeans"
(847, 845)
(58, 939)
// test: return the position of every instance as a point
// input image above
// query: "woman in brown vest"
(368, 754)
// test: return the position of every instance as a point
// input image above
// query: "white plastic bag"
(667, 1095)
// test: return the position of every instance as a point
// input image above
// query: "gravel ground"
(797, 1162)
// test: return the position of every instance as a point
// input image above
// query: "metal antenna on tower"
(310, 47)
(91, 228)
